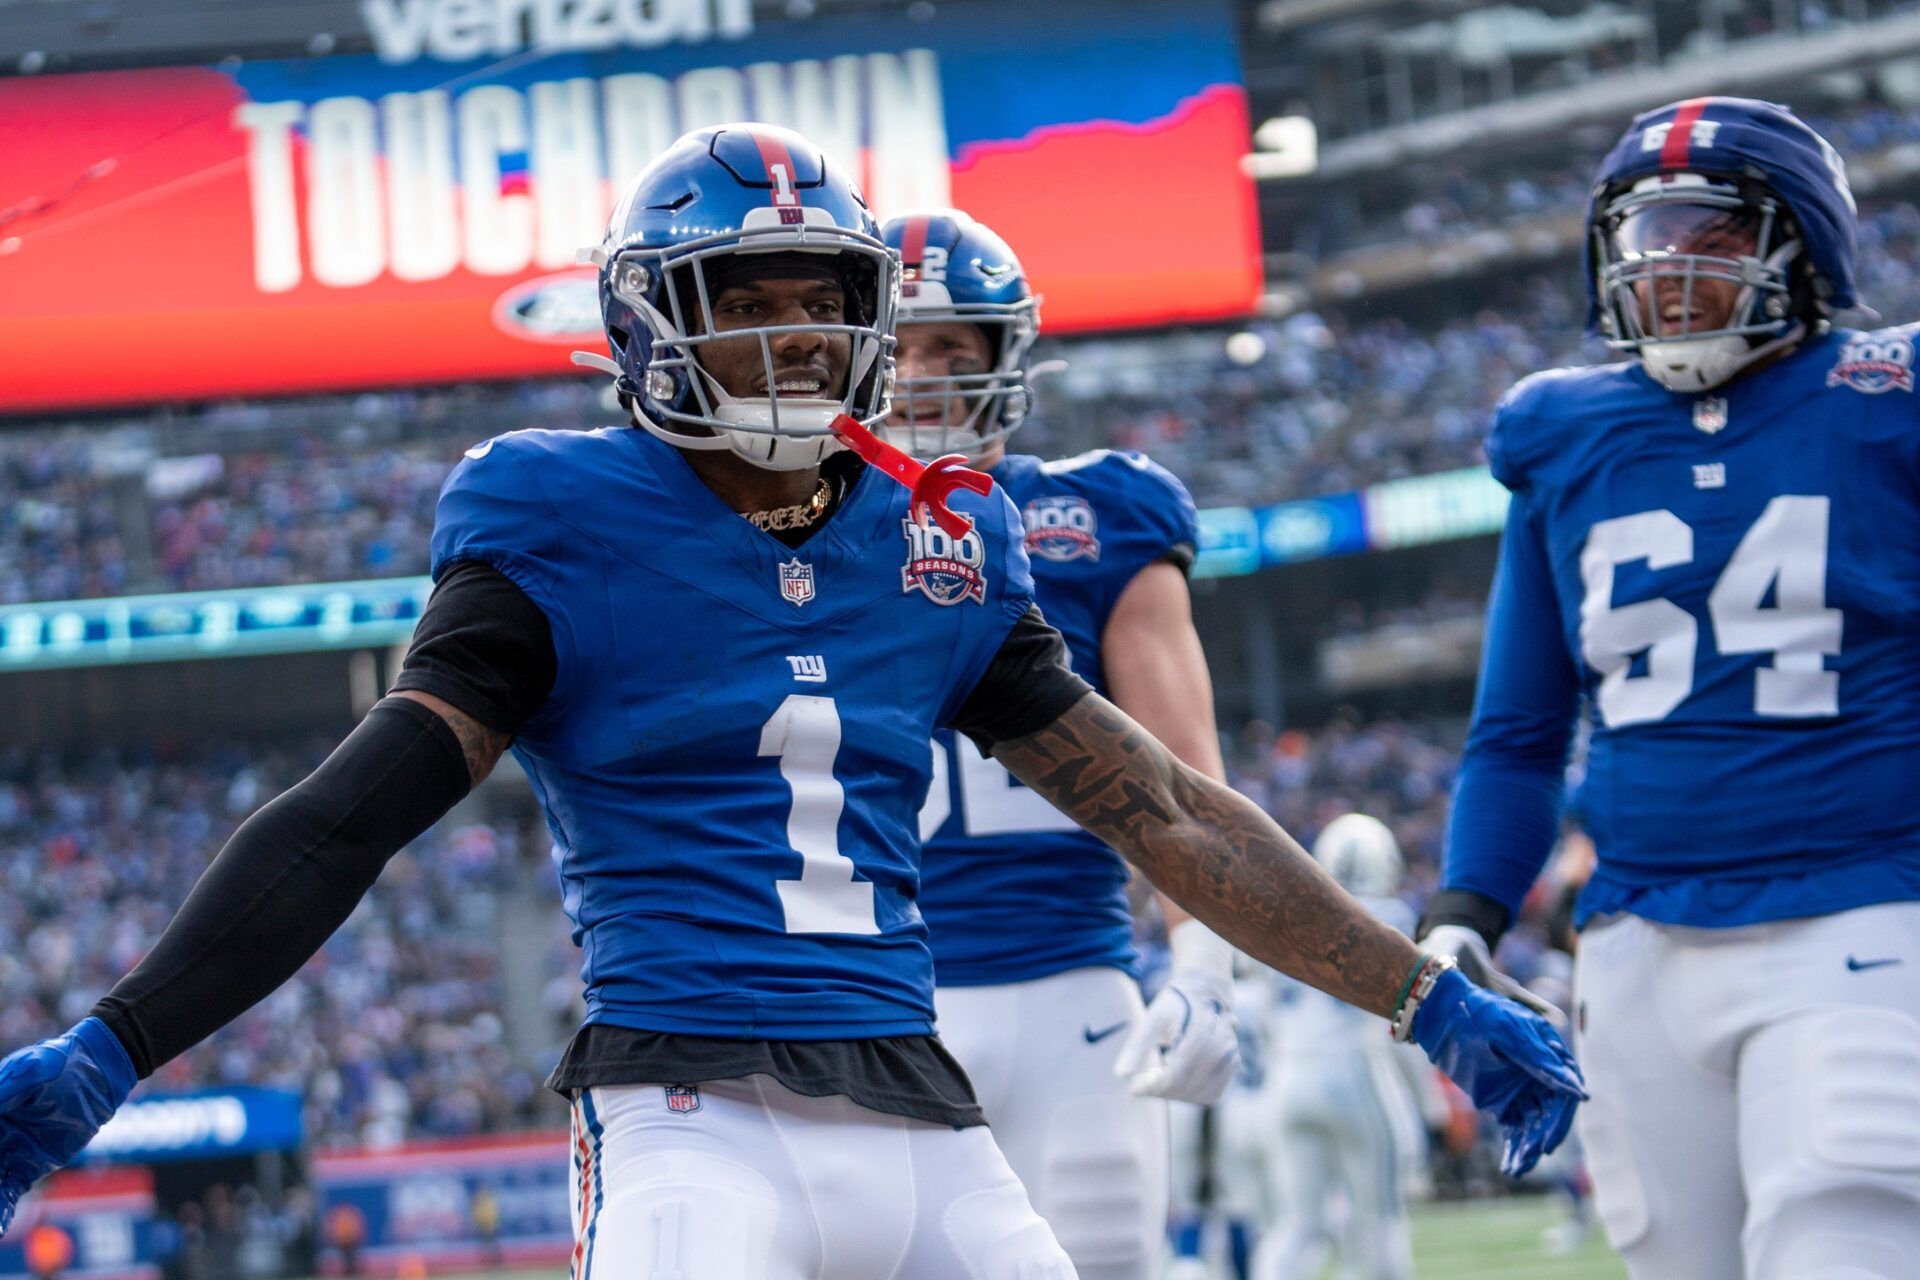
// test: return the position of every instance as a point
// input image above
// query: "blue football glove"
(54, 1096)
(1510, 1061)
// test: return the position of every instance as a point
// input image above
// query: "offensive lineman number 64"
(1785, 550)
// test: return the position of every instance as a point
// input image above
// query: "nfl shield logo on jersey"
(1710, 413)
(796, 581)
(1061, 528)
(1873, 363)
(683, 1098)
(946, 569)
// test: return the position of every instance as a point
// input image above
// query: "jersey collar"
(832, 548)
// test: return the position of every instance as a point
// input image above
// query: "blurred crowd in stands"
(393, 1030)
(1441, 201)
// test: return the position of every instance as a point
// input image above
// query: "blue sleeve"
(1506, 801)
(1166, 506)
(1156, 521)
(1522, 429)
(494, 511)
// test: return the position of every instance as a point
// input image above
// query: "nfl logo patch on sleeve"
(683, 1099)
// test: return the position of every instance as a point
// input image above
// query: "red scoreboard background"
(272, 227)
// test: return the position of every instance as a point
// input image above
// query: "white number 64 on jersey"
(1785, 551)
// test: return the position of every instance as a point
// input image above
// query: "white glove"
(1469, 950)
(1188, 1045)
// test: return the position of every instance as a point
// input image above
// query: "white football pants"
(1092, 1155)
(1334, 1135)
(1756, 1095)
(747, 1180)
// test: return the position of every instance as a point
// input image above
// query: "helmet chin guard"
(1701, 364)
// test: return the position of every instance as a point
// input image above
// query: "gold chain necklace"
(797, 516)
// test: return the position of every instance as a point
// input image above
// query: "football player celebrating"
(1036, 980)
(1717, 546)
(719, 666)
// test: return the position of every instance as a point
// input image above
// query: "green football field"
(1476, 1240)
(1500, 1240)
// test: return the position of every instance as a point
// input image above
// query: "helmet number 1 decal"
(782, 185)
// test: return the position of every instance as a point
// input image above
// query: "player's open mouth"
(1673, 315)
(799, 386)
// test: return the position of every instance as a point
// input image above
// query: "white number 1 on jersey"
(805, 733)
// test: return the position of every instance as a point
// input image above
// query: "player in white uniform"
(1222, 1193)
(1339, 1108)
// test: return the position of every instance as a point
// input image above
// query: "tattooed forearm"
(482, 746)
(1212, 851)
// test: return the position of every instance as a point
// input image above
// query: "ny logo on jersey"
(808, 668)
(796, 581)
(1061, 529)
(1873, 363)
(1654, 136)
(945, 569)
(1709, 475)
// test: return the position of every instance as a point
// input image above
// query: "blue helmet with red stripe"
(721, 205)
(957, 271)
(1718, 197)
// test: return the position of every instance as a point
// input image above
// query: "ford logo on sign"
(1297, 531)
(560, 309)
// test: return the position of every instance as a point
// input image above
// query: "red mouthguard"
(929, 482)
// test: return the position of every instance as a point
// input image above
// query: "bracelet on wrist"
(1418, 986)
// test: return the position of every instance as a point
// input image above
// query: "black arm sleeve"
(287, 879)
(1028, 685)
(484, 646)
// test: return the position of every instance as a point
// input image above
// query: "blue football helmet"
(716, 204)
(953, 269)
(1731, 193)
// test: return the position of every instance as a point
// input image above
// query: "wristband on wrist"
(1476, 911)
(1418, 986)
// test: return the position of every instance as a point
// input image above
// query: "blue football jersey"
(735, 749)
(1012, 888)
(1730, 583)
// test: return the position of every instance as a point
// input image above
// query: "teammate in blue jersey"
(1715, 550)
(1036, 978)
(718, 645)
